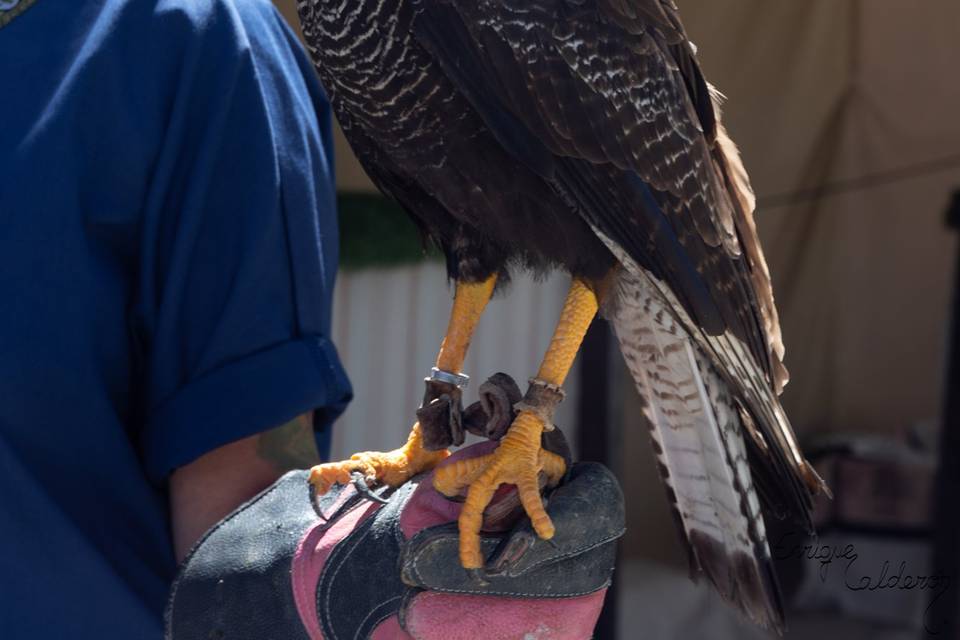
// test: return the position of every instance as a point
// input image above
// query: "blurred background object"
(846, 112)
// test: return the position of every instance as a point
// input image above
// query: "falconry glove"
(289, 566)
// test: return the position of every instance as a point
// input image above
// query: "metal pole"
(942, 619)
(595, 435)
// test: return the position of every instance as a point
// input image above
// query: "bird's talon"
(314, 494)
(518, 461)
(478, 576)
(359, 482)
(391, 468)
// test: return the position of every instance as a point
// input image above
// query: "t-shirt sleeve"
(239, 241)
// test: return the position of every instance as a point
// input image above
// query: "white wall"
(388, 324)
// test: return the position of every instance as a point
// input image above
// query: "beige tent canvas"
(860, 100)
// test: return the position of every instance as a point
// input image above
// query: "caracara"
(580, 135)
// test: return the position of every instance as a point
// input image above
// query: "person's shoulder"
(214, 18)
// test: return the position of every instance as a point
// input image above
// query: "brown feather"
(728, 158)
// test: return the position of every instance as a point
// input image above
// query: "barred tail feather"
(697, 436)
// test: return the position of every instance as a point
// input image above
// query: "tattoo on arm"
(290, 446)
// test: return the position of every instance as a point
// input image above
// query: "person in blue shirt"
(168, 243)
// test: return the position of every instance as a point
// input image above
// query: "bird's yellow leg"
(468, 305)
(519, 459)
(397, 466)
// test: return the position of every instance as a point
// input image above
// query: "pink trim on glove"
(312, 554)
(390, 629)
(449, 616)
(444, 616)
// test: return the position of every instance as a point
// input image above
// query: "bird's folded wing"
(594, 83)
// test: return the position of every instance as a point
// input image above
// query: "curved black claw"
(478, 577)
(359, 483)
(314, 502)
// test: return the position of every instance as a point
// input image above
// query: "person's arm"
(207, 489)
(236, 272)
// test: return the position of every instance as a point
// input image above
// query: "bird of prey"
(580, 135)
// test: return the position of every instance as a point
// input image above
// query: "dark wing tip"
(746, 581)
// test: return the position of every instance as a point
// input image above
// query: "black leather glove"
(284, 566)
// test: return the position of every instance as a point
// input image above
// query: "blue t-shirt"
(167, 255)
